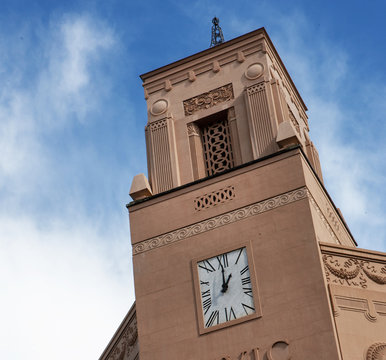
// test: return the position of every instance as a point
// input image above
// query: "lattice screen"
(217, 147)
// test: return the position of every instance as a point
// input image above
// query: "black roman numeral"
(205, 293)
(206, 304)
(206, 265)
(247, 291)
(204, 283)
(238, 256)
(229, 314)
(243, 271)
(246, 280)
(222, 261)
(214, 317)
(250, 308)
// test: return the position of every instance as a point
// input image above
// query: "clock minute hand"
(223, 275)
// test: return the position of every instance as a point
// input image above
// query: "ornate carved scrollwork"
(221, 220)
(353, 272)
(208, 99)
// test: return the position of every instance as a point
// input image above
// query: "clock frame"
(200, 300)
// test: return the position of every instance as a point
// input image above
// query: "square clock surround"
(225, 288)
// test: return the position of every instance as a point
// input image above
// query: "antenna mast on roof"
(217, 36)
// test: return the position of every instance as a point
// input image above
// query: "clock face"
(225, 287)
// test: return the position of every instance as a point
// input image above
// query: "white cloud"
(58, 289)
(65, 288)
(60, 92)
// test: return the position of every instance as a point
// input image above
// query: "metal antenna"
(217, 36)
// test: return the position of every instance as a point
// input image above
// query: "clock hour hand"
(225, 284)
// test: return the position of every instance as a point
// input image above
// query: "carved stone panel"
(208, 99)
(159, 144)
(214, 198)
(259, 118)
(351, 271)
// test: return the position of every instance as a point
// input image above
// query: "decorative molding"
(214, 198)
(356, 304)
(376, 351)
(193, 129)
(254, 71)
(324, 220)
(204, 64)
(293, 120)
(159, 107)
(157, 124)
(221, 220)
(240, 56)
(231, 113)
(333, 218)
(353, 272)
(168, 85)
(256, 88)
(279, 350)
(216, 66)
(286, 85)
(160, 140)
(192, 76)
(370, 303)
(208, 99)
(259, 114)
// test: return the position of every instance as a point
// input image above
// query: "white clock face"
(225, 287)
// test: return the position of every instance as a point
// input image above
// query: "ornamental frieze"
(221, 220)
(208, 99)
(351, 271)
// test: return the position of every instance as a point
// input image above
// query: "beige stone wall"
(269, 208)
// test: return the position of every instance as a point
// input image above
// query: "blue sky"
(72, 119)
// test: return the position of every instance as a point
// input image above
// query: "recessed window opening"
(216, 141)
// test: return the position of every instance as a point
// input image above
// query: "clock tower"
(238, 250)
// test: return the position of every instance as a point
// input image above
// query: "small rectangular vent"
(214, 198)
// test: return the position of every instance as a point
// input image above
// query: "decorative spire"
(217, 36)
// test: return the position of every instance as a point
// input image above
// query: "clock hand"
(230, 275)
(223, 277)
(223, 274)
(225, 284)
